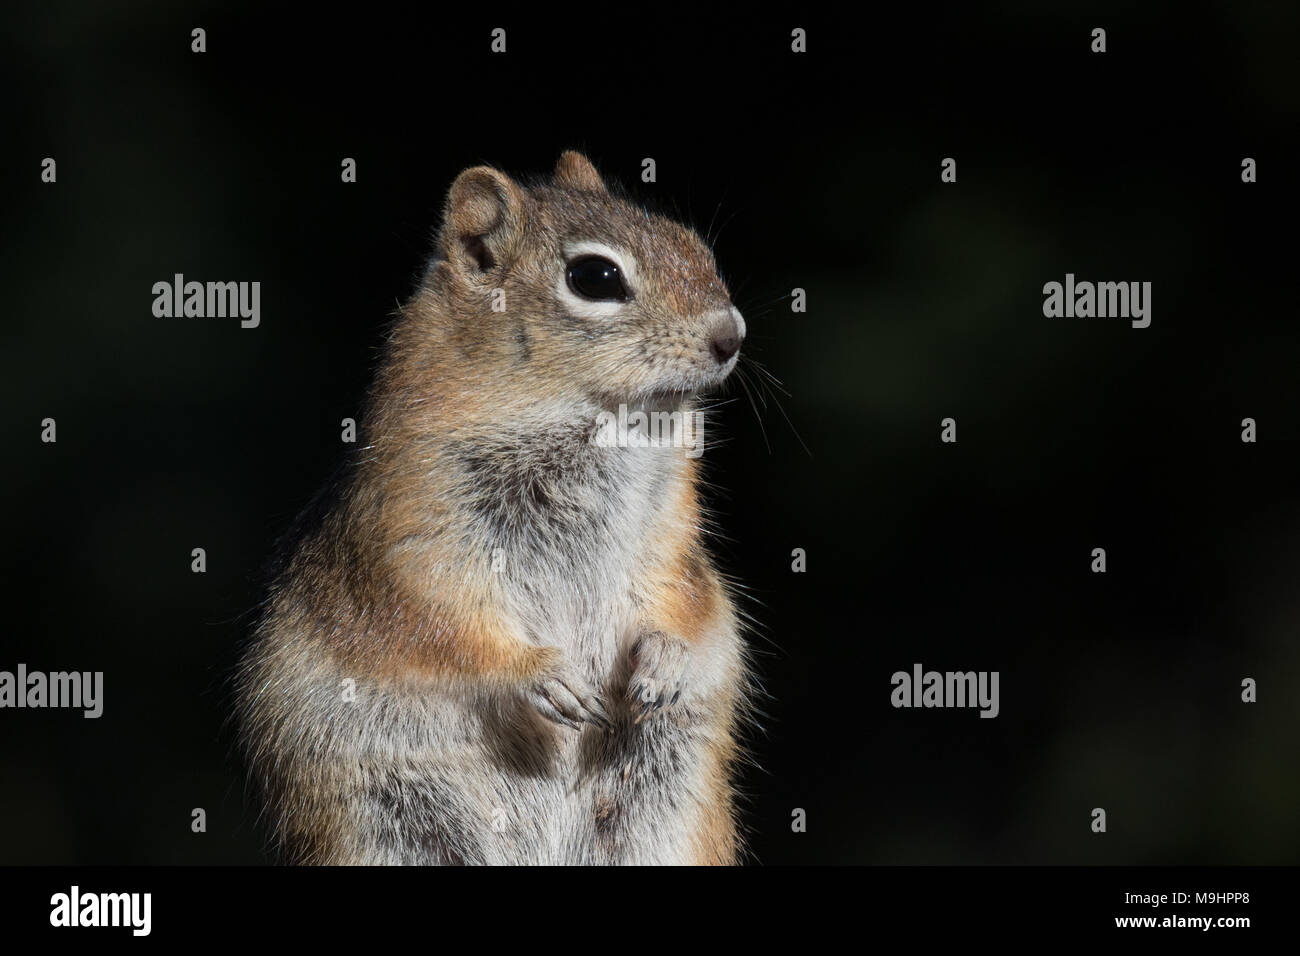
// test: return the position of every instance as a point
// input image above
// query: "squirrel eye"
(597, 279)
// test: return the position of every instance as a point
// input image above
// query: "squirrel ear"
(483, 219)
(576, 172)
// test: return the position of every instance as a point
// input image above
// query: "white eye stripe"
(584, 308)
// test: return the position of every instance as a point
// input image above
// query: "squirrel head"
(579, 291)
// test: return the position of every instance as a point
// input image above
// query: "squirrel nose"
(725, 340)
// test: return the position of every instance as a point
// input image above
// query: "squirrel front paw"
(560, 693)
(659, 664)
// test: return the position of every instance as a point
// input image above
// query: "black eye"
(597, 279)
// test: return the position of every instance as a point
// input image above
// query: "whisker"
(744, 383)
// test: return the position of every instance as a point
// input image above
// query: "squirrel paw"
(659, 665)
(561, 695)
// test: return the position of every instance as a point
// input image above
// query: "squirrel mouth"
(668, 396)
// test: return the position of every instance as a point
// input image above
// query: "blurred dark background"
(1119, 690)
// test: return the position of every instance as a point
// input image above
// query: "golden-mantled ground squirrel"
(496, 639)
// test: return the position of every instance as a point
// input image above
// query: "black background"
(821, 171)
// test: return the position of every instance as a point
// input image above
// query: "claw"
(659, 665)
(566, 699)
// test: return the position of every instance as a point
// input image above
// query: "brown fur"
(478, 451)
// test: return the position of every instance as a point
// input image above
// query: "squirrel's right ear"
(483, 220)
(576, 172)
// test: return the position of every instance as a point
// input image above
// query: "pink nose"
(725, 340)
